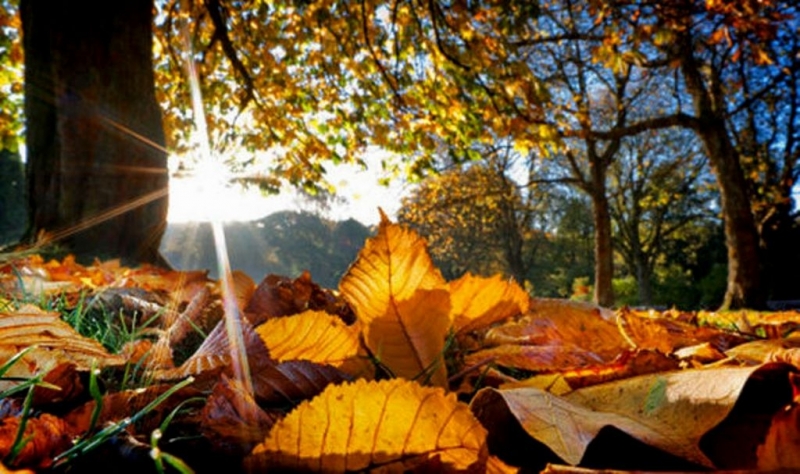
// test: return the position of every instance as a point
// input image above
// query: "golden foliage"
(402, 303)
(393, 425)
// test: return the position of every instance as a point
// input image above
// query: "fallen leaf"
(479, 302)
(120, 405)
(781, 447)
(47, 436)
(243, 288)
(313, 335)
(567, 324)
(55, 341)
(278, 296)
(392, 425)
(627, 364)
(401, 301)
(232, 420)
(293, 381)
(670, 411)
(667, 335)
(545, 358)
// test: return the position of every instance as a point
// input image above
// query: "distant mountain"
(284, 243)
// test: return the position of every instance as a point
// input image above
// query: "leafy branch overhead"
(462, 375)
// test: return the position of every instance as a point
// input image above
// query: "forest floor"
(153, 370)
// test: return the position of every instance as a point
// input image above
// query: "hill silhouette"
(284, 243)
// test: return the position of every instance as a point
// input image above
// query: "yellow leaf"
(478, 302)
(393, 425)
(401, 301)
(313, 335)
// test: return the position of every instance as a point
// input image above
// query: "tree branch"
(215, 11)
(676, 120)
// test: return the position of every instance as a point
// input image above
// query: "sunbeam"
(214, 182)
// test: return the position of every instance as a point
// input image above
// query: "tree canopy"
(567, 81)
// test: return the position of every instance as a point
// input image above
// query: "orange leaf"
(393, 425)
(47, 435)
(478, 302)
(552, 322)
(399, 297)
(313, 335)
(781, 447)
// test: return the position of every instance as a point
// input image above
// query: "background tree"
(659, 185)
(704, 42)
(475, 219)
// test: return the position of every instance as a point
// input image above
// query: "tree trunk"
(96, 160)
(603, 250)
(744, 271)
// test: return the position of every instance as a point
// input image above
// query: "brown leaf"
(627, 364)
(781, 447)
(48, 436)
(119, 405)
(671, 411)
(56, 343)
(280, 296)
(762, 351)
(401, 301)
(667, 335)
(554, 322)
(243, 287)
(66, 378)
(292, 381)
(232, 420)
(546, 358)
(392, 425)
(479, 302)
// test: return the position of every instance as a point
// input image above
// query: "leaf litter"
(398, 369)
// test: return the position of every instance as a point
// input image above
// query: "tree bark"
(97, 175)
(603, 249)
(744, 288)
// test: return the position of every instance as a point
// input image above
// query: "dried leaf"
(48, 436)
(671, 411)
(313, 335)
(280, 296)
(66, 378)
(547, 358)
(119, 405)
(781, 447)
(56, 343)
(667, 335)
(232, 420)
(393, 425)
(628, 364)
(479, 302)
(292, 381)
(553, 323)
(400, 300)
(243, 287)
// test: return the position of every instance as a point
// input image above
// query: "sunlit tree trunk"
(96, 163)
